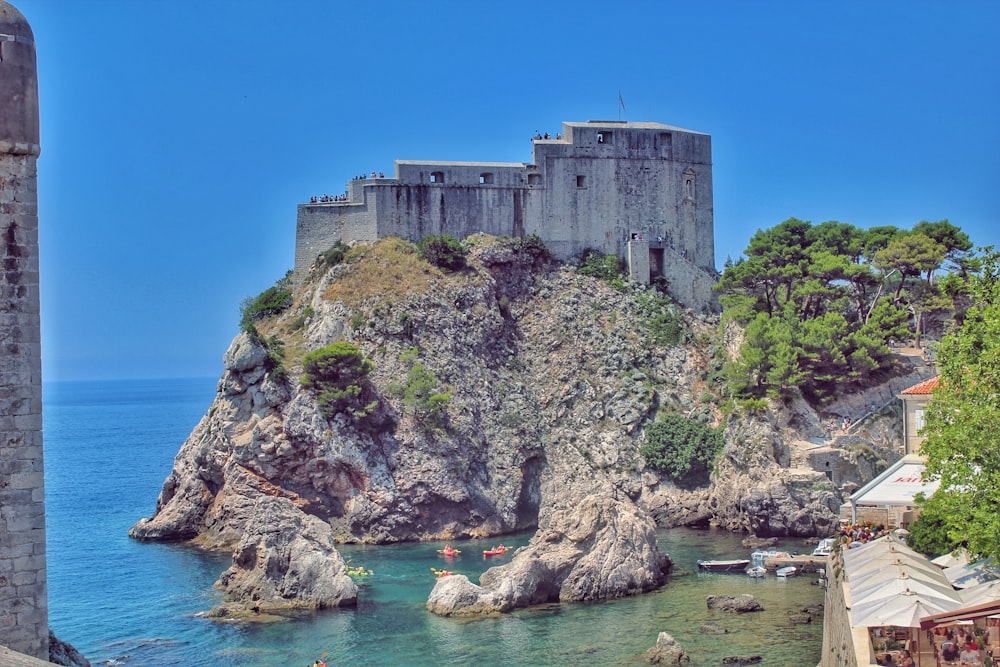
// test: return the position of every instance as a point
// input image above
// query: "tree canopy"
(963, 421)
(822, 303)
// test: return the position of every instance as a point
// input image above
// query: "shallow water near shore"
(109, 446)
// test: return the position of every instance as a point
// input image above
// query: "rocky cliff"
(552, 377)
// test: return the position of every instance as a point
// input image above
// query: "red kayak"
(496, 551)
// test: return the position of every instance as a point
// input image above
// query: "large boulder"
(600, 549)
(667, 652)
(286, 560)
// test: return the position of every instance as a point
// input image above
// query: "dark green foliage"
(421, 396)
(681, 448)
(605, 267)
(338, 375)
(272, 301)
(443, 251)
(333, 256)
(929, 533)
(820, 303)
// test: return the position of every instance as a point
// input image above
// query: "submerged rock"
(739, 604)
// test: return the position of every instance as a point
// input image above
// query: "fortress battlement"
(640, 191)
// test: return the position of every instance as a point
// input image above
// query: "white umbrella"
(971, 574)
(888, 571)
(951, 559)
(981, 594)
(903, 610)
(904, 585)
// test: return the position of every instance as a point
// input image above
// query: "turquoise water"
(109, 446)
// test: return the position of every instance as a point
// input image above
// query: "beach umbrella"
(972, 574)
(904, 584)
(950, 559)
(886, 571)
(981, 594)
(904, 610)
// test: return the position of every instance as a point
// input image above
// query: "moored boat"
(737, 565)
(824, 548)
(789, 571)
(757, 571)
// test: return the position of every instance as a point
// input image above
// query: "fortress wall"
(594, 187)
(320, 226)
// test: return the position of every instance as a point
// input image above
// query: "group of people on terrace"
(961, 647)
(375, 174)
(856, 534)
(545, 136)
(326, 199)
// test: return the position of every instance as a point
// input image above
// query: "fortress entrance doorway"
(656, 267)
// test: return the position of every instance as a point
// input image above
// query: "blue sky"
(178, 137)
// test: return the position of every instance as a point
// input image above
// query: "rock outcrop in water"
(551, 378)
(602, 548)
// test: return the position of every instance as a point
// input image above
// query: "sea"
(109, 445)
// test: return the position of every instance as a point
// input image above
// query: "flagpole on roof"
(621, 105)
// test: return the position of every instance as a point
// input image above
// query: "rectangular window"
(485, 178)
(581, 181)
(437, 177)
(534, 179)
(918, 419)
(604, 137)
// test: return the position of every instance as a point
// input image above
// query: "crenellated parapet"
(598, 185)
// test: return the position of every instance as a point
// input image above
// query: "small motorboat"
(824, 548)
(789, 571)
(496, 551)
(757, 571)
(738, 565)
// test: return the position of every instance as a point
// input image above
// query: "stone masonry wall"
(598, 187)
(24, 618)
(23, 589)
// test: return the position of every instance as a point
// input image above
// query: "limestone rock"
(601, 549)
(739, 604)
(63, 653)
(286, 560)
(667, 652)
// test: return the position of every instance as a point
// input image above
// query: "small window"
(534, 179)
(486, 178)
(918, 419)
(581, 181)
(437, 177)
(604, 137)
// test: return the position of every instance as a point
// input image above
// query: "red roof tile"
(924, 387)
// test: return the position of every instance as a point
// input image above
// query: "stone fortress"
(639, 190)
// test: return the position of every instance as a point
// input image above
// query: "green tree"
(338, 375)
(963, 420)
(681, 448)
(272, 301)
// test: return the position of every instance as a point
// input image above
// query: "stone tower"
(24, 618)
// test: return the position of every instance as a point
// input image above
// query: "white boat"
(789, 571)
(758, 557)
(723, 565)
(757, 571)
(824, 548)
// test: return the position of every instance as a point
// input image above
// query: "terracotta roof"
(924, 387)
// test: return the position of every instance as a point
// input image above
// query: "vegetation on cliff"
(822, 303)
(963, 420)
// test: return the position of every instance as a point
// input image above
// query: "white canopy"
(896, 486)
(904, 610)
